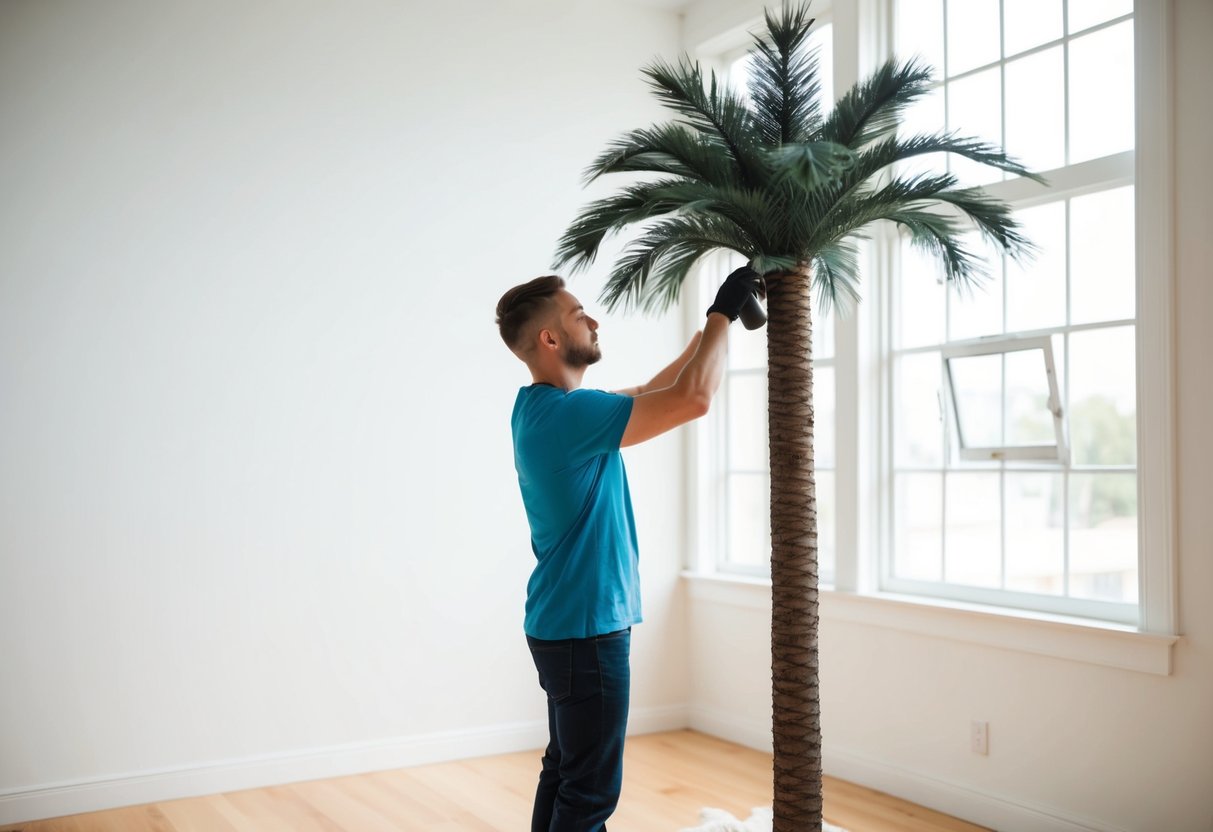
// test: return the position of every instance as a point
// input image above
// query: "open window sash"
(1004, 400)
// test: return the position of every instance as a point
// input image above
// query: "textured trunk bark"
(797, 706)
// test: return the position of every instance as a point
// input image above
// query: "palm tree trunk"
(797, 707)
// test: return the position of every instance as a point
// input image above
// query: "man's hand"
(735, 291)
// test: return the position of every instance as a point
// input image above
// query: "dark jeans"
(587, 682)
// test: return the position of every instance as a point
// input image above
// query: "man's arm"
(669, 375)
(690, 395)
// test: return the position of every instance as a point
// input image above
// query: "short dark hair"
(522, 304)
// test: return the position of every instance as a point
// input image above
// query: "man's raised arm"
(690, 395)
(669, 375)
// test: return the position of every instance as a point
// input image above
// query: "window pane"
(821, 39)
(1103, 400)
(739, 75)
(747, 420)
(976, 311)
(1028, 23)
(1029, 420)
(917, 426)
(1087, 13)
(823, 416)
(749, 519)
(747, 350)
(920, 298)
(823, 333)
(826, 535)
(973, 542)
(1103, 536)
(1036, 110)
(977, 392)
(1102, 269)
(1036, 533)
(973, 33)
(1101, 93)
(917, 536)
(1016, 425)
(920, 31)
(1036, 288)
(975, 111)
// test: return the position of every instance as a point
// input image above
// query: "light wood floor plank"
(196, 814)
(668, 778)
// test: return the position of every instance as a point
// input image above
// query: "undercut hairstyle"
(523, 304)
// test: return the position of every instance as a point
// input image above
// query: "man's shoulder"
(545, 396)
(535, 405)
(594, 394)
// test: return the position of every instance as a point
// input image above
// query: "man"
(584, 594)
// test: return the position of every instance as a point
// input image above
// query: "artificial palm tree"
(790, 188)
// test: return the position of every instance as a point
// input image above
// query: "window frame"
(1148, 168)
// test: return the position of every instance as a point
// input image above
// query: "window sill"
(1082, 640)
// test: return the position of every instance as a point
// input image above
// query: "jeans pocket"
(554, 661)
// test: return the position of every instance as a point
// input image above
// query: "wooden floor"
(667, 779)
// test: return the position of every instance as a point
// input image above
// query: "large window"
(1036, 472)
(1053, 83)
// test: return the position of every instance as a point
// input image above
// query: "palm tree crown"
(778, 181)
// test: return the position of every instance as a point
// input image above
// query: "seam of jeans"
(601, 712)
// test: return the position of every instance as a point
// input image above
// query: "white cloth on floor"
(760, 820)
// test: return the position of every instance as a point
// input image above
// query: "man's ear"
(547, 339)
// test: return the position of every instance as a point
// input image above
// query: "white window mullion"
(1065, 81)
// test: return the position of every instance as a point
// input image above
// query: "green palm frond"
(865, 204)
(746, 209)
(579, 244)
(811, 165)
(766, 263)
(667, 148)
(652, 268)
(942, 237)
(877, 156)
(915, 204)
(992, 218)
(989, 216)
(873, 108)
(715, 110)
(784, 84)
(836, 276)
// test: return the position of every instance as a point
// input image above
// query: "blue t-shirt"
(575, 490)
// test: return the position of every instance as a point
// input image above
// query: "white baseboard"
(151, 786)
(994, 811)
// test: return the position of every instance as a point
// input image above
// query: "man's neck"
(566, 378)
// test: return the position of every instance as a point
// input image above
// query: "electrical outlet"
(979, 737)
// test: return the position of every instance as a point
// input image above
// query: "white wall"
(1073, 745)
(256, 486)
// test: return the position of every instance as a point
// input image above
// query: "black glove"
(735, 291)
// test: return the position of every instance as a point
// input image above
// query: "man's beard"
(578, 357)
